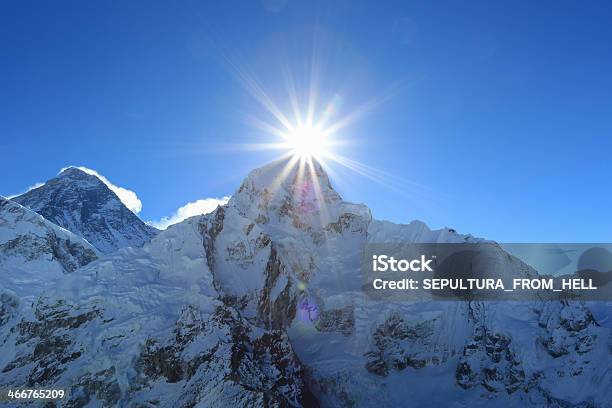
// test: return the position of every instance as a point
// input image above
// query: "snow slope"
(146, 326)
(362, 352)
(35, 252)
(260, 304)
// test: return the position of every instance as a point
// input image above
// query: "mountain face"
(361, 352)
(33, 254)
(83, 204)
(146, 327)
(260, 304)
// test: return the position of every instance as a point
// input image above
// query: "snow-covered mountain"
(34, 251)
(361, 352)
(260, 304)
(83, 204)
(146, 326)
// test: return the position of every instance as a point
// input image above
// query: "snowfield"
(260, 303)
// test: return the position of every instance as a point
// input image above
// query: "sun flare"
(308, 128)
(307, 142)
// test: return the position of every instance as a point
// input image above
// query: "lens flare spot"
(308, 311)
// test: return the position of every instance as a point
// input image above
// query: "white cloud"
(189, 210)
(32, 187)
(127, 197)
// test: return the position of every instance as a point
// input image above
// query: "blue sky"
(493, 119)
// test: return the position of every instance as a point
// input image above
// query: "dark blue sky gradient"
(501, 113)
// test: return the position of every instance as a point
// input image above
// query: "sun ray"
(268, 128)
(256, 90)
(323, 213)
(363, 109)
(309, 134)
(284, 173)
(392, 182)
(293, 98)
(314, 82)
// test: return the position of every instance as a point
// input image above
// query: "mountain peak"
(74, 175)
(290, 170)
(75, 172)
(293, 192)
(82, 203)
(291, 179)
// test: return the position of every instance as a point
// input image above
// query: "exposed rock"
(567, 328)
(397, 345)
(336, 320)
(47, 343)
(261, 365)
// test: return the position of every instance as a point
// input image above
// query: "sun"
(312, 124)
(306, 142)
